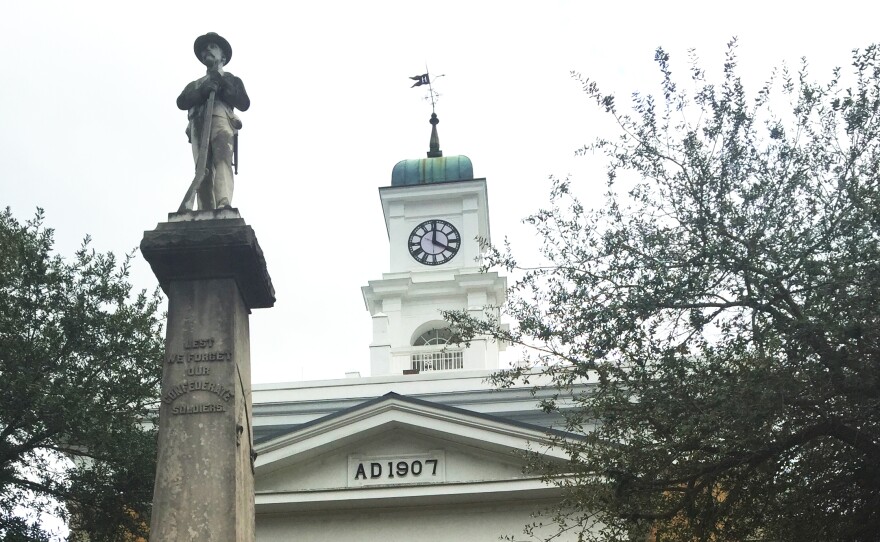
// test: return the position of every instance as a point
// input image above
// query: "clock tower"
(437, 216)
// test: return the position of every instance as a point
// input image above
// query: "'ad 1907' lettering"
(397, 469)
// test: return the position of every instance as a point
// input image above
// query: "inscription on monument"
(200, 357)
(198, 351)
(198, 343)
(197, 409)
(186, 387)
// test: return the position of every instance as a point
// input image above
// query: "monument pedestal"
(213, 271)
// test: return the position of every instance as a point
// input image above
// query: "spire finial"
(434, 145)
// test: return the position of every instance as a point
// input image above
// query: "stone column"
(213, 271)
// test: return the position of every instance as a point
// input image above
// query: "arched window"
(434, 337)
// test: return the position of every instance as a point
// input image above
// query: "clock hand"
(441, 245)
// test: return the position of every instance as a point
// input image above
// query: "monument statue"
(213, 126)
(213, 272)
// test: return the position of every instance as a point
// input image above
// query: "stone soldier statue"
(224, 93)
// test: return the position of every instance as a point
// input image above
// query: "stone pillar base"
(212, 269)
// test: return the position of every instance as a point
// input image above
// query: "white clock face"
(434, 242)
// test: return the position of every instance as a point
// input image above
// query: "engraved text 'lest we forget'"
(186, 387)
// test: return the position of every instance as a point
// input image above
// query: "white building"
(424, 449)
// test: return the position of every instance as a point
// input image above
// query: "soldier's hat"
(214, 37)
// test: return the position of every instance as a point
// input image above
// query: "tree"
(724, 308)
(80, 361)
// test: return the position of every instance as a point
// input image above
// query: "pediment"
(395, 446)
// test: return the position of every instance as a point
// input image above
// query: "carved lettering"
(200, 357)
(198, 409)
(198, 385)
(206, 357)
(409, 468)
(194, 344)
(401, 468)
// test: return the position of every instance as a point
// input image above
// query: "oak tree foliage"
(722, 305)
(79, 369)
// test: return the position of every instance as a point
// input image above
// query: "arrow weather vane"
(425, 79)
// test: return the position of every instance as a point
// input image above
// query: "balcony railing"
(445, 360)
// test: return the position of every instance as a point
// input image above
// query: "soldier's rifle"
(202, 163)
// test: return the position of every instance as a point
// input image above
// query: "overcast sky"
(89, 129)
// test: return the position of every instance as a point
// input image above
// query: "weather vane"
(425, 79)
